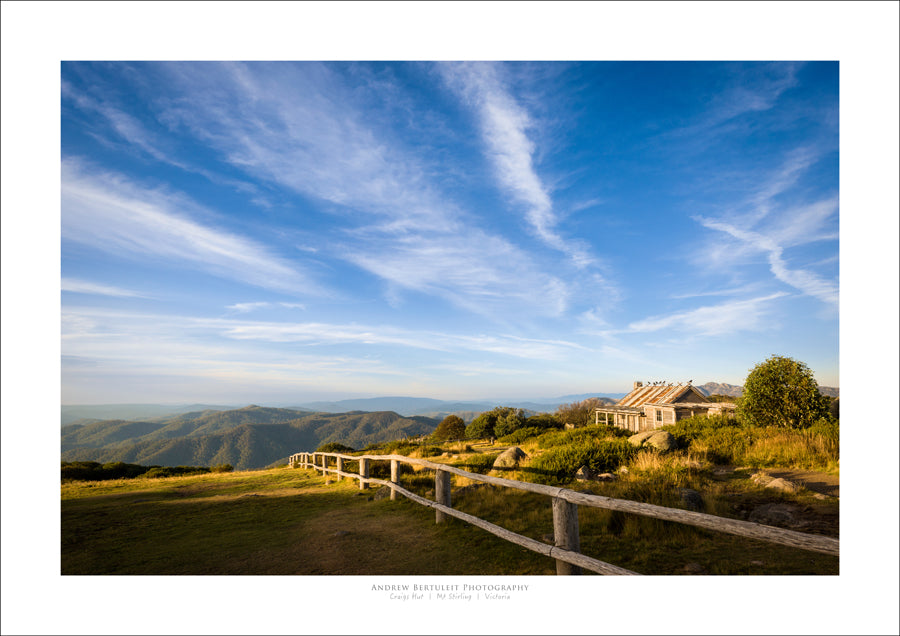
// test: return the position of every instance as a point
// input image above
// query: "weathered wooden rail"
(566, 548)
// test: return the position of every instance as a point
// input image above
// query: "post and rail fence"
(566, 548)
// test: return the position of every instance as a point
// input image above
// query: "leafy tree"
(781, 392)
(484, 425)
(451, 427)
(510, 422)
(543, 421)
(578, 414)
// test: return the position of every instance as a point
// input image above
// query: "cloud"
(242, 308)
(300, 127)
(108, 213)
(86, 287)
(805, 281)
(86, 329)
(713, 320)
(504, 125)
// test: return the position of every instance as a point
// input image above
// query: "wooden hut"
(654, 405)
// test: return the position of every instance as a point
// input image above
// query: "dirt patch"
(823, 483)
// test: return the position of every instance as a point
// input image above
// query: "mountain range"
(247, 438)
(258, 436)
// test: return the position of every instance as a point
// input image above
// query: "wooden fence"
(564, 502)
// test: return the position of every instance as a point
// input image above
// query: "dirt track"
(817, 482)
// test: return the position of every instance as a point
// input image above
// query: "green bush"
(334, 447)
(480, 463)
(521, 435)
(562, 462)
(222, 468)
(576, 435)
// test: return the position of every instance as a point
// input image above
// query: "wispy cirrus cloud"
(86, 327)
(805, 281)
(504, 128)
(78, 286)
(712, 320)
(243, 308)
(111, 214)
(298, 127)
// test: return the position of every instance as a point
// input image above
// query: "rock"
(661, 440)
(638, 439)
(775, 514)
(623, 470)
(583, 474)
(760, 478)
(720, 471)
(340, 533)
(382, 493)
(783, 485)
(606, 477)
(694, 568)
(692, 499)
(510, 458)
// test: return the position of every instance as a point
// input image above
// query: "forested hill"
(251, 437)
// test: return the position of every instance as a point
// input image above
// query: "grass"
(292, 521)
(278, 521)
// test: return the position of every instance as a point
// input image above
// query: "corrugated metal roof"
(656, 394)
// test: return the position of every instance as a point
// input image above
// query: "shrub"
(480, 463)
(334, 447)
(558, 438)
(543, 421)
(781, 392)
(564, 461)
(222, 468)
(451, 427)
(521, 435)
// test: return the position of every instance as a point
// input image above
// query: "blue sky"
(277, 232)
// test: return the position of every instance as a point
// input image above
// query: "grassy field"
(290, 521)
(279, 521)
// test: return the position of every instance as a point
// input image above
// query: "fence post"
(441, 494)
(363, 473)
(340, 468)
(565, 532)
(395, 477)
(324, 465)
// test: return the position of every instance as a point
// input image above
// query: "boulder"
(660, 440)
(775, 514)
(783, 484)
(691, 499)
(382, 493)
(510, 457)
(694, 568)
(583, 474)
(606, 477)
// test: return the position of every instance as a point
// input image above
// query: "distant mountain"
(247, 438)
(410, 406)
(732, 390)
(71, 413)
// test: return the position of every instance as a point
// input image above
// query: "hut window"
(659, 416)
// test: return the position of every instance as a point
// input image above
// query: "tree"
(451, 427)
(781, 392)
(484, 425)
(578, 414)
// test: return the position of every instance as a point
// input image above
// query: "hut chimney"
(638, 384)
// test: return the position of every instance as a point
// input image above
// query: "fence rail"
(565, 504)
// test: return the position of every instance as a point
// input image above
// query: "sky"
(274, 232)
